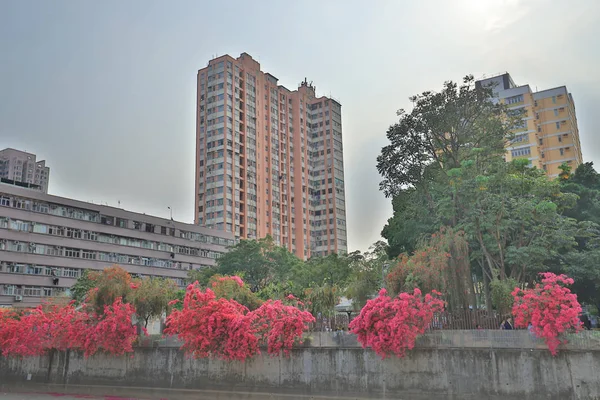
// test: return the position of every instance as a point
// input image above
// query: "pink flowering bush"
(391, 325)
(112, 332)
(550, 307)
(223, 328)
(34, 332)
(280, 325)
(212, 327)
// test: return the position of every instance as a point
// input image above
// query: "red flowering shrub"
(550, 307)
(280, 325)
(223, 328)
(17, 334)
(36, 331)
(391, 325)
(112, 332)
(212, 327)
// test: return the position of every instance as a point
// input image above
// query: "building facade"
(269, 160)
(20, 166)
(46, 242)
(548, 136)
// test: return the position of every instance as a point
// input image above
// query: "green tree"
(332, 269)
(202, 275)
(260, 261)
(513, 217)
(441, 130)
(502, 298)
(81, 288)
(228, 288)
(109, 284)
(444, 166)
(367, 274)
(583, 262)
(151, 297)
(585, 183)
(179, 295)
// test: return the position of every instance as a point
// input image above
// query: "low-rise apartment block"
(46, 242)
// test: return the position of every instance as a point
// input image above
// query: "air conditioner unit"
(18, 298)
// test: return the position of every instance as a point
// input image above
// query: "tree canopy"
(445, 169)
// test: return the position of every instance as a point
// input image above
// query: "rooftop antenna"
(171, 211)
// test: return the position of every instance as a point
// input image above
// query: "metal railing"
(461, 320)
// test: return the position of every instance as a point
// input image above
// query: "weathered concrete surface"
(318, 373)
(57, 396)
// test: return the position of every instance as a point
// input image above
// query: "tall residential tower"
(548, 136)
(269, 160)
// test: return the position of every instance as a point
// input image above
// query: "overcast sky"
(105, 91)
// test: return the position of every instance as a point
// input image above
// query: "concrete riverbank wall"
(324, 369)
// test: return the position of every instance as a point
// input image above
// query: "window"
(514, 99)
(556, 112)
(562, 152)
(518, 138)
(53, 251)
(521, 152)
(32, 291)
(4, 201)
(541, 141)
(70, 273)
(9, 290)
(554, 99)
(73, 233)
(19, 225)
(35, 270)
(87, 235)
(560, 139)
(74, 253)
(558, 125)
(15, 268)
(88, 255)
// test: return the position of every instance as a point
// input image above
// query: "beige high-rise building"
(548, 136)
(269, 160)
(22, 167)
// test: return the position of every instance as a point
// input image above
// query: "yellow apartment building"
(548, 135)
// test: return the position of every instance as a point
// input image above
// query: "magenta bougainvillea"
(390, 326)
(280, 325)
(550, 307)
(223, 328)
(33, 332)
(212, 327)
